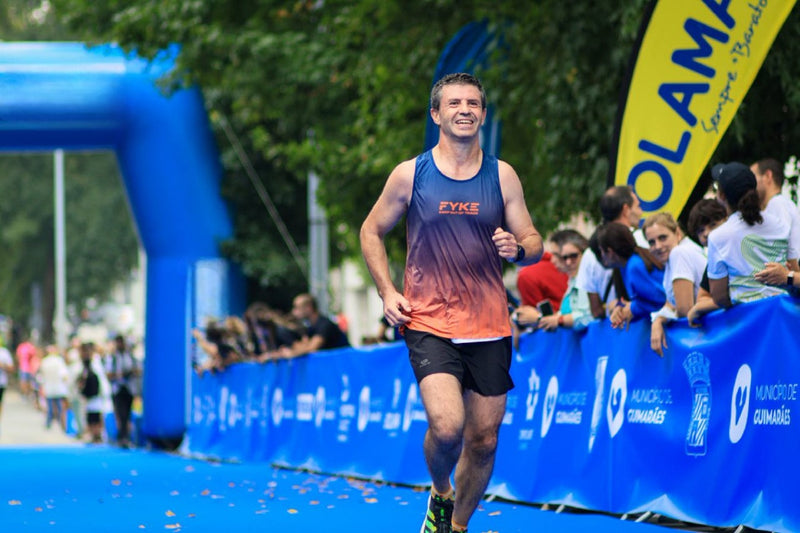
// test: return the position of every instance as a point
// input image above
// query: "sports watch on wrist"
(790, 278)
(520, 254)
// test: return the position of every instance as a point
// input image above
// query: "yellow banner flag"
(696, 62)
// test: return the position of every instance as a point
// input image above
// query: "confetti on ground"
(72, 488)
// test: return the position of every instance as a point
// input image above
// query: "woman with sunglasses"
(575, 310)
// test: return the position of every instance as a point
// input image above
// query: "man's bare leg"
(484, 414)
(444, 405)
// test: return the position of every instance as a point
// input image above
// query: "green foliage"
(30, 20)
(357, 74)
(101, 244)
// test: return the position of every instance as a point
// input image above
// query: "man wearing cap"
(749, 239)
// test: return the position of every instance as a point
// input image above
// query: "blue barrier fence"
(596, 420)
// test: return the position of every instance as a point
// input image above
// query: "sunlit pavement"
(21, 424)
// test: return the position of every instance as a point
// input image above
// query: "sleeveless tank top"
(454, 276)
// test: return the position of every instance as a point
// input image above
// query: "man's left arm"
(518, 220)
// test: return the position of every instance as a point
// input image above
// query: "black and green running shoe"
(439, 515)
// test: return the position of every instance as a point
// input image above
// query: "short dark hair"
(706, 211)
(614, 199)
(774, 166)
(457, 78)
(308, 298)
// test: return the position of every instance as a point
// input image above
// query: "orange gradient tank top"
(454, 276)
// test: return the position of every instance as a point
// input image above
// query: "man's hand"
(505, 243)
(396, 309)
(526, 315)
(773, 274)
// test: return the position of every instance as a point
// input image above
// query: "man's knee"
(446, 435)
(482, 444)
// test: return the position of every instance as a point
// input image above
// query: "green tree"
(357, 73)
(101, 241)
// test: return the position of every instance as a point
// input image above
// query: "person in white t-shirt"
(618, 204)
(6, 368)
(748, 240)
(769, 179)
(684, 263)
(706, 215)
(54, 378)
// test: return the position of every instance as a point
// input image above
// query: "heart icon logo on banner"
(740, 396)
(615, 410)
(740, 403)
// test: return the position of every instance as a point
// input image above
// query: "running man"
(466, 213)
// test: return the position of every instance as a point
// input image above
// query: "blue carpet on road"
(103, 489)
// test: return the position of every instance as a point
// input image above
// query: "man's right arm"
(391, 205)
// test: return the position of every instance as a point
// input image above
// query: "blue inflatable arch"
(64, 95)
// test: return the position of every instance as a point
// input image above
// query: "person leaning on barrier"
(542, 287)
(684, 263)
(618, 204)
(748, 239)
(219, 345)
(769, 179)
(705, 216)
(321, 333)
(769, 182)
(544, 280)
(643, 274)
(575, 311)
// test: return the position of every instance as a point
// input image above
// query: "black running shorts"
(479, 366)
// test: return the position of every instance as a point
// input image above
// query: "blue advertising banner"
(596, 420)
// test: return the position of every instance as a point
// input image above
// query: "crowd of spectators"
(741, 245)
(86, 380)
(265, 334)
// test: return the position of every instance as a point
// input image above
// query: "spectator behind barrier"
(705, 216)
(618, 204)
(542, 281)
(575, 308)
(269, 330)
(762, 234)
(321, 333)
(643, 274)
(684, 264)
(219, 345)
(769, 182)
